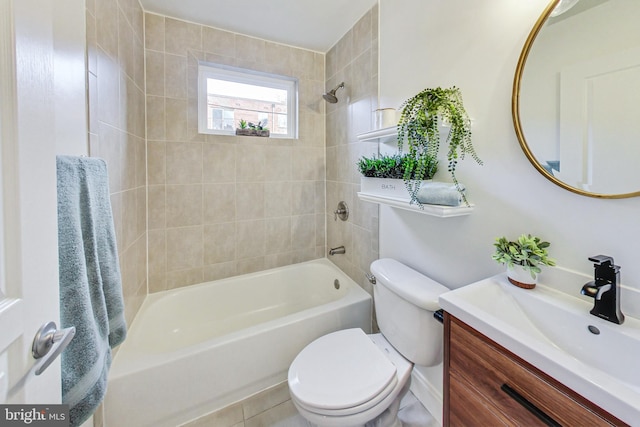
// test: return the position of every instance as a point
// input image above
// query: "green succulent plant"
(396, 166)
(528, 252)
(261, 125)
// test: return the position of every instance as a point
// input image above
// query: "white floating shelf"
(384, 134)
(433, 210)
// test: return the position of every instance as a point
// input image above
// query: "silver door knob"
(48, 343)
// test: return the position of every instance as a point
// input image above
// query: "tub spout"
(337, 251)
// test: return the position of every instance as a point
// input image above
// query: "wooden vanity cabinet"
(486, 385)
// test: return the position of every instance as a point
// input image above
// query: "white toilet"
(348, 378)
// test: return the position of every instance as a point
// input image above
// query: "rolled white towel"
(439, 193)
(439, 184)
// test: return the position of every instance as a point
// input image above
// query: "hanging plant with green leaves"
(420, 122)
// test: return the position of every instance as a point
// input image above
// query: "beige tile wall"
(354, 61)
(226, 205)
(115, 64)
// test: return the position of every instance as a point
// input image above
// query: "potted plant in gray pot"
(420, 120)
(523, 258)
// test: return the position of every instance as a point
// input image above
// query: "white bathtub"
(197, 349)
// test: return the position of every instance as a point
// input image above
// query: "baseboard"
(427, 394)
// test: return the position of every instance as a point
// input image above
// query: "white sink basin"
(550, 329)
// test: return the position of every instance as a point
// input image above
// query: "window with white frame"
(228, 95)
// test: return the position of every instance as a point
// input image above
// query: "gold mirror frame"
(515, 111)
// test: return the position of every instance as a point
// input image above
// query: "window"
(220, 118)
(227, 95)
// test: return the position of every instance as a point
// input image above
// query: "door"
(28, 216)
(591, 127)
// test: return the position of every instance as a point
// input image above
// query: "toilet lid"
(340, 370)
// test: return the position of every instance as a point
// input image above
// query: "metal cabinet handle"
(542, 416)
(48, 343)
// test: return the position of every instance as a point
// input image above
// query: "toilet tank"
(405, 301)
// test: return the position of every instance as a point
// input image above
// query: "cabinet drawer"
(471, 409)
(486, 367)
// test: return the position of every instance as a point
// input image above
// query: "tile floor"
(273, 408)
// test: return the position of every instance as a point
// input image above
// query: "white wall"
(475, 45)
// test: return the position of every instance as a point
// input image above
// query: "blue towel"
(90, 282)
(440, 193)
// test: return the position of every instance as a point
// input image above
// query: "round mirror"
(576, 93)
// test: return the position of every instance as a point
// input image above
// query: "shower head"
(331, 95)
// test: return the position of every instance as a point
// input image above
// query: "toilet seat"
(344, 373)
(351, 410)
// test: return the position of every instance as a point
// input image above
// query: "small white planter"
(521, 277)
(385, 187)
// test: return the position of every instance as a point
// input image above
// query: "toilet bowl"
(348, 378)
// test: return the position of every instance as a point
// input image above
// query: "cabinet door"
(470, 409)
(508, 386)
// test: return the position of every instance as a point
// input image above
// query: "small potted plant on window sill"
(251, 129)
(523, 259)
(420, 121)
(383, 174)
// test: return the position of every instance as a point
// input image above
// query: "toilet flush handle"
(371, 278)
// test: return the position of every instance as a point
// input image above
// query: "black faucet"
(605, 289)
